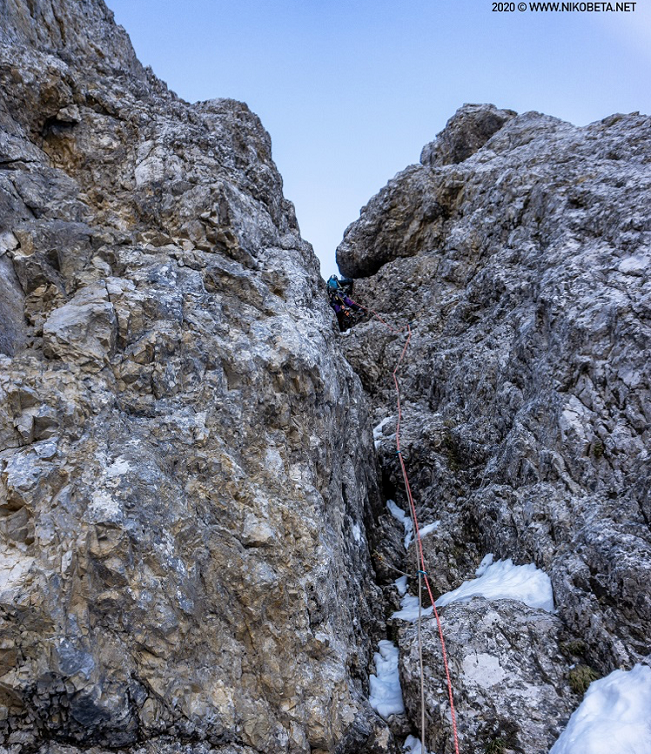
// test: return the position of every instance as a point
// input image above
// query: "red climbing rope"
(412, 507)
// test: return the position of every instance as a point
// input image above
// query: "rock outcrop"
(522, 257)
(511, 685)
(186, 463)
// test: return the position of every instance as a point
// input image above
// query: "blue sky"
(350, 91)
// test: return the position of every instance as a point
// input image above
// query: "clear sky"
(351, 90)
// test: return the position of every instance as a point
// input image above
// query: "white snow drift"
(614, 716)
(503, 580)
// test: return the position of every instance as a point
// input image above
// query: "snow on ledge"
(614, 716)
(503, 580)
(386, 694)
(409, 609)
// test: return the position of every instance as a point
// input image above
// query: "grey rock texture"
(189, 497)
(466, 132)
(185, 460)
(525, 270)
(12, 324)
(509, 681)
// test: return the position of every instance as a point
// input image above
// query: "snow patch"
(386, 694)
(429, 528)
(488, 560)
(357, 533)
(503, 580)
(410, 609)
(614, 716)
(377, 431)
(404, 519)
(412, 745)
(401, 585)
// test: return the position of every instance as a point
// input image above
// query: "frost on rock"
(614, 716)
(386, 694)
(504, 580)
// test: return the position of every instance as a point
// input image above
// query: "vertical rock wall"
(521, 250)
(185, 461)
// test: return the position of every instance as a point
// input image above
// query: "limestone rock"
(417, 206)
(466, 132)
(190, 519)
(510, 676)
(186, 464)
(12, 327)
(83, 330)
(526, 401)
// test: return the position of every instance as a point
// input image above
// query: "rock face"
(189, 495)
(525, 270)
(510, 685)
(185, 461)
(466, 132)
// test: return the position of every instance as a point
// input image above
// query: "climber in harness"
(345, 308)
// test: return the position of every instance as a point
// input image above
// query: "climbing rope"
(420, 655)
(420, 556)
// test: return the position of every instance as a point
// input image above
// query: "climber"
(342, 285)
(345, 308)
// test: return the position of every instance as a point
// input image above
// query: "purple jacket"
(347, 301)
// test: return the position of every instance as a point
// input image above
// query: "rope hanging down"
(420, 557)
